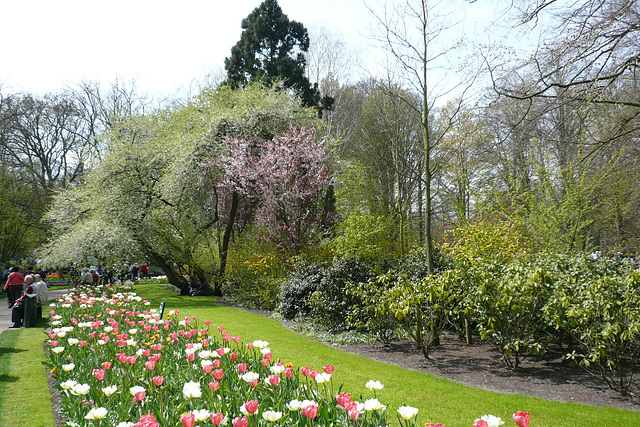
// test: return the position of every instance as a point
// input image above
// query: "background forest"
(289, 160)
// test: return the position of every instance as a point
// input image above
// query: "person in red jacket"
(17, 312)
(13, 287)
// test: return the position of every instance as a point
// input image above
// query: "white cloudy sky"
(163, 45)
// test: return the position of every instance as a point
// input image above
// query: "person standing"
(13, 287)
(134, 271)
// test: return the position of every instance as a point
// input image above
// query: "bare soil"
(479, 365)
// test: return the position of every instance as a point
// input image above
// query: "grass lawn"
(454, 405)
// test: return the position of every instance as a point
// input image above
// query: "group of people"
(19, 287)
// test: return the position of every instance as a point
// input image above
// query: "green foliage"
(301, 282)
(372, 313)
(499, 240)
(21, 230)
(254, 271)
(331, 303)
(602, 315)
(271, 48)
(365, 236)
(507, 302)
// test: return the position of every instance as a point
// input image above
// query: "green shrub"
(301, 282)
(331, 303)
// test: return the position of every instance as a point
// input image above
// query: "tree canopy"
(272, 48)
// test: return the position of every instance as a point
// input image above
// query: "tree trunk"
(235, 201)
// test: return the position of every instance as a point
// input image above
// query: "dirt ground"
(479, 365)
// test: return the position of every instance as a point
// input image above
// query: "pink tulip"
(216, 418)
(122, 358)
(54, 343)
(240, 422)
(207, 368)
(251, 406)
(274, 380)
(314, 373)
(106, 365)
(132, 359)
(306, 371)
(250, 345)
(343, 399)
(265, 362)
(242, 367)
(216, 363)
(310, 411)
(236, 339)
(158, 380)
(150, 365)
(99, 374)
(188, 420)
(354, 414)
(288, 372)
(214, 385)
(139, 396)
(207, 322)
(191, 357)
(522, 419)
(218, 374)
(328, 369)
(220, 328)
(253, 383)
(480, 423)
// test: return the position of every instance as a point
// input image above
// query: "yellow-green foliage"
(365, 236)
(497, 241)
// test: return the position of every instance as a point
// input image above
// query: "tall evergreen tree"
(271, 47)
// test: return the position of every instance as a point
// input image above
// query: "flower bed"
(118, 364)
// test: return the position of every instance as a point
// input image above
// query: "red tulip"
(242, 367)
(328, 369)
(480, 423)
(522, 419)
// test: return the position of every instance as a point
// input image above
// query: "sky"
(162, 45)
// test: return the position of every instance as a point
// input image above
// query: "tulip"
(158, 380)
(522, 419)
(343, 399)
(328, 369)
(216, 418)
(274, 380)
(305, 370)
(99, 374)
(218, 374)
(480, 423)
(214, 385)
(407, 412)
(188, 420)
(242, 367)
(240, 422)
(310, 411)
